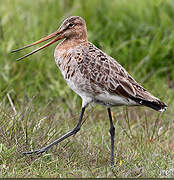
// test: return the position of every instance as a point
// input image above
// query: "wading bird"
(93, 75)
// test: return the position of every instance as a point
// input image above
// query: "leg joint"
(76, 129)
(112, 130)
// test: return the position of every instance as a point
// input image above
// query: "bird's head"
(73, 27)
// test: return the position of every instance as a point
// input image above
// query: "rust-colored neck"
(71, 42)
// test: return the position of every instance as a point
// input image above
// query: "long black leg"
(70, 133)
(112, 132)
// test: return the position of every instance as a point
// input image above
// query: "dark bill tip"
(21, 48)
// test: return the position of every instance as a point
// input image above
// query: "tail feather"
(156, 105)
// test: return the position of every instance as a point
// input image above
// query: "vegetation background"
(36, 105)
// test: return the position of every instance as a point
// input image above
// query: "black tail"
(156, 105)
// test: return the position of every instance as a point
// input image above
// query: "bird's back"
(94, 75)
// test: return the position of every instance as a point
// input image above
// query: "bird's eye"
(70, 25)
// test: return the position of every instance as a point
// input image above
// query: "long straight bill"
(36, 50)
(39, 41)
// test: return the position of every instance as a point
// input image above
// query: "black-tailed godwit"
(93, 75)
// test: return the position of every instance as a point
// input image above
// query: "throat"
(70, 43)
(66, 47)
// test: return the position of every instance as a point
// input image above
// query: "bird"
(92, 74)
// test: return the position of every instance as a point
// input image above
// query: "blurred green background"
(139, 34)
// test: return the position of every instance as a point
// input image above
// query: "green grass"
(36, 105)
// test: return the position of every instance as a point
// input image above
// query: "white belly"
(113, 100)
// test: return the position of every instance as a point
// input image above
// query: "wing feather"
(106, 74)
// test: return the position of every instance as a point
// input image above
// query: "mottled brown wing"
(105, 74)
(108, 74)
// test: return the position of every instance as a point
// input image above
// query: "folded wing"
(110, 76)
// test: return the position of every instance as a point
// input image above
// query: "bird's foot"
(39, 151)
